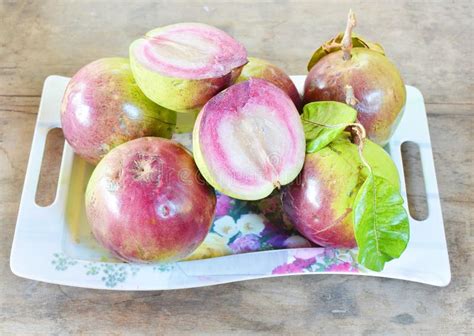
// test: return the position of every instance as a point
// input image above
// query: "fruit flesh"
(146, 202)
(377, 84)
(182, 66)
(249, 140)
(259, 68)
(320, 201)
(103, 107)
(190, 51)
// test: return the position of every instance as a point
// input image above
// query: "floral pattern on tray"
(243, 226)
(238, 227)
(110, 274)
(319, 260)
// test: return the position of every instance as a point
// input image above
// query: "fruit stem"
(358, 132)
(347, 39)
(360, 137)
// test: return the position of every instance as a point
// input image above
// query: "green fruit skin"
(377, 84)
(320, 201)
(178, 94)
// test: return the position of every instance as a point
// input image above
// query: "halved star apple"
(182, 66)
(249, 140)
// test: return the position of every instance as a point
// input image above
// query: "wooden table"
(430, 41)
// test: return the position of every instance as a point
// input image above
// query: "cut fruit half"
(189, 51)
(181, 66)
(249, 140)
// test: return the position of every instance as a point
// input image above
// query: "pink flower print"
(342, 267)
(247, 243)
(297, 266)
(223, 205)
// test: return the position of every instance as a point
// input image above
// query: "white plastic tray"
(43, 248)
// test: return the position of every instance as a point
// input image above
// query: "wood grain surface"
(430, 41)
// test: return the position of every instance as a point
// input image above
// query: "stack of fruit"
(150, 200)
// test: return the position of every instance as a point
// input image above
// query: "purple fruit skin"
(146, 201)
(377, 86)
(258, 68)
(103, 107)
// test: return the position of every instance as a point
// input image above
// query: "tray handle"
(414, 111)
(48, 119)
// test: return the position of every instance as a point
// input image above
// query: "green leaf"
(357, 42)
(334, 115)
(380, 223)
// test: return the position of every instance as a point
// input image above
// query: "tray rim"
(22, 255)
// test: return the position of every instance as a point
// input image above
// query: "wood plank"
(57, 37)
(427, 41)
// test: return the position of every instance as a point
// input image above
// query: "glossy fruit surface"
(103, 107)
(378, 88)
(146, 201)
(259, 68)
